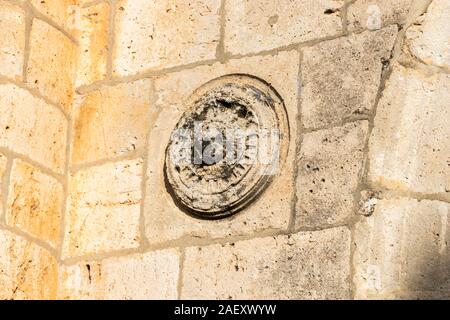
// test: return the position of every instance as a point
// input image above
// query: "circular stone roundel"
(227, 146)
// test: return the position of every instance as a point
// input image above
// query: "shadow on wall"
(429, 279)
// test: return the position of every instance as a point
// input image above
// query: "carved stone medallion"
(227, 146)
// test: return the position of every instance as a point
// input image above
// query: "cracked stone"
(429, 37)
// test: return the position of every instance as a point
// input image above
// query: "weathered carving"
(227, 146)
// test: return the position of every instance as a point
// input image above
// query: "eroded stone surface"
(330, 166)
(34, 202)
(103, 209)
(164, 34)
(111, 121)
(33, 128)
(26, 270)
(52, 63)
(374, 14)
(12, 41)
(340, 78)
(429, 37)
(409, 147)
(309, 265)
(216, 171)
(152, 275)
(252, 26)
(401, 250)
(93, 44)
(164, 221)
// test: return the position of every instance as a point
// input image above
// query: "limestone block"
(34, 202)
(3, 163)
(33, 128)
(340, 78)
(52, 63)
(400, 250)
(111, 121)
(103, 209)
(164, 221)
(374, 14)
(330, 166)
(93, 44)
(152, 275)
(64, 13)
(164, 34)
(12, 41)
(409, 145)
(253, 26)
(308, 265)
(429, 37)
(26, 270)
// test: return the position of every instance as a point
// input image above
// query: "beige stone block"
(3, 163)
(65, 13)
(308, 265)
(12, 41)
(153, 275)
(111, 121)
(93, 44)
(253, 26)
(33, 128)
(103, 209)
(409, 145)
(340, 78)
(163, 34)
(330, 166)
(374, 14)
(34, 203)
(52, 63)
(399, 249)
(429, 38)
(164, 221)
(26, 270)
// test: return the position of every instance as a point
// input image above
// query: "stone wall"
(91, 90)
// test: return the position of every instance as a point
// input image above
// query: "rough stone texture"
(401, 250)
(63, 12)
(152, 275)
(252, 26)
(26, 270)
(330, 166)
(93, 44)
(340, 78)
(111, 121)
(409, 147)
(164, 221)
(33, 128)
(12, 41)
(164, 34)
(374, 14)
(52, 63)
(3, 163)
(429, 37)
(309, 265)
(103, 209)
(34, 203)
(401, 245)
